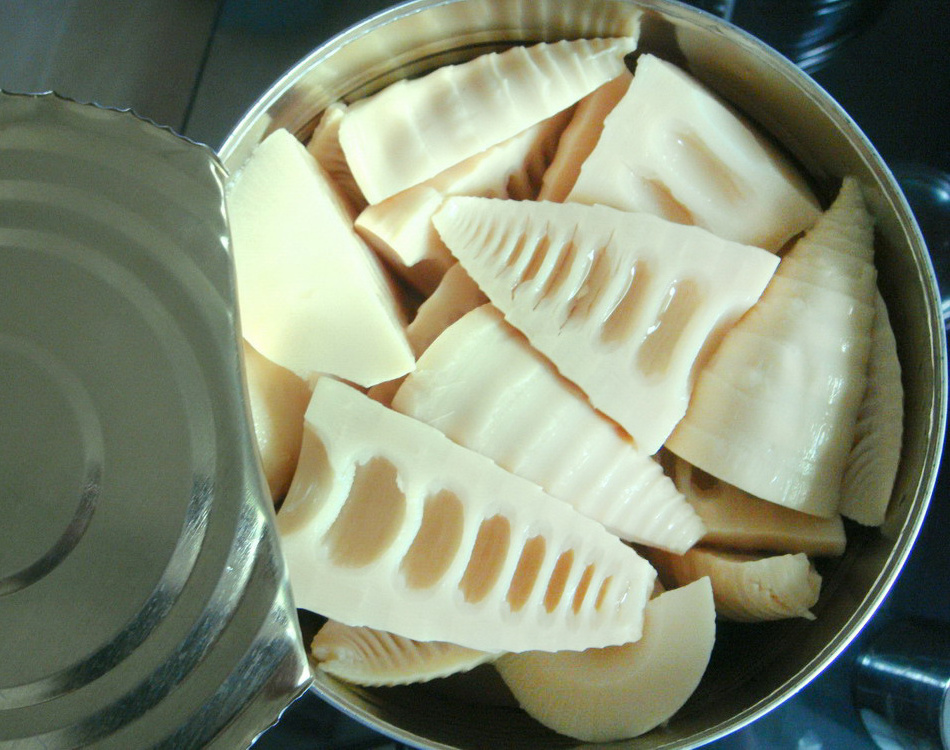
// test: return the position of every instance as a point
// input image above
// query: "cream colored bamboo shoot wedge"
(746, 587)
(599, 695)
(415, 128)
(580, 137)
(879, 430)
(324, 145)
(455, 295)
(365, 656)
(485, 387)
(625, 305)
(388, 524)
(278, 400)
(736, 520)
(314, 299)
(774, 410)
(672, 148)
(400, 227)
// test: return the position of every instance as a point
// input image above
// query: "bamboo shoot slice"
(324, 145)
(737, 520)
(400, 227)
(278, 400)
(671, 147)
(614, 693)
(455, 295)
(364, 656)
(873, 461)
(314, 298)
(580, 137)
(415, 128)
(482, 385)
(625, 305)
(774, 411)
(746, 588)
(390, 525)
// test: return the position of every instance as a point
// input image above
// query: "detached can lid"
(143, 596)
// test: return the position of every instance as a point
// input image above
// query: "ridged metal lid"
(143, 597)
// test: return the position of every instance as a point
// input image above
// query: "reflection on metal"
(902, 686)
(808, 32)
(145, 54)
(753, 669)
(143, 597)
(928, 191)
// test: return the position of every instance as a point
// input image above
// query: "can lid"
(143, 596)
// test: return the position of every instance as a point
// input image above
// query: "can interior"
(753, 667)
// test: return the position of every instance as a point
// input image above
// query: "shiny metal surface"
(753, 668)
(811, 31)
(143, 598)
(928, 190)
(145, 55)
(902, 686)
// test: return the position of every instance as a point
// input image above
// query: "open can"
(753, 669)
(151, 606)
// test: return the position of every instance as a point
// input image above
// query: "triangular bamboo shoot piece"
(736, 520)
(674, 149)
(313, 297)
(324, 145)
(388, 524)
(580, 137)
(746, 588)
(879, 430)
(415, 128)
(485, 387)
(774, 410)
(365, 656)
(455, 295)
(599, 695)
(400, 227)
(278, 400)
(625, 305)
